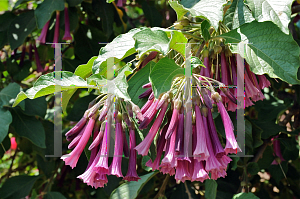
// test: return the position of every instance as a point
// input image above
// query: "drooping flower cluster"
(104, 124)
(189, 140)
(227, 74)
(67, 35)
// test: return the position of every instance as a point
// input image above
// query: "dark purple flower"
(131, 173)
(42, 37)
(37, 60)
(56, 30)
(72, 158)
(67, 35)
(277, 151)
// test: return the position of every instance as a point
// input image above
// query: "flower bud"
(216, 97)
(185, 22)
(217, 49)
(178, 26)
(204, 110)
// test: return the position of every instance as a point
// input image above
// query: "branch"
(261, 150)
(163, 187)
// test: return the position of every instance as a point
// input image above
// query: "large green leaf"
(17, 186)
(9, 93)
(36, 107)
(20, 28)
(245, 196)
(72, 3)
(137, 81)
(277, 11)
(82, 71)
(29, 127)
(179, 9)
(106, 12)
(151, 40)
(44, 11)
(277, 57)
(206, 9)
(121, 47)
(210, 189)
(131, 189)
(237, 14)
(5, 120)
(47, 84)
(178, 42)
(162, 75)
(5, 19)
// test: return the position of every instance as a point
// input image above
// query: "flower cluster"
(100, 124)
(67, 35)
(227, 74)
(189, 140)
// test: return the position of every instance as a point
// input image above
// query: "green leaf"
(5, 120)
(237, 14)
(82, 71)
(178, 42)
(17, 186)
(278, 57)
(195, 62)
(162, 75)
(279, 12)
(72, 3)
(3, 38)
(44, 11)
(206, 9)
(205, 26)
(5, 19)
(189, 3)
(137, 81)
(106, 12)
(210, 189)
(151, 40)
(131, 189)
(253, 168)
(145, 159)
(121, 47)
(87, 42)
(5, 145)
(245, 196)
(248, 134)
(29, 127)
(36, 107)
(20, 28)
(47, 84)
(152, 14)
(278, 172)
(179, 9)
(9, 93)
(269, 128)
(54, 195)
(4, 5)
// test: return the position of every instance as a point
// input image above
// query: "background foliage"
(26, 172)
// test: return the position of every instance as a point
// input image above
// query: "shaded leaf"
(20, 28)
(152, 14)
(278, 57)
(210, 189)
(17, 186)
(130, 190)
(162, 75)
(245, 196)
(44, 11)
(5, 120)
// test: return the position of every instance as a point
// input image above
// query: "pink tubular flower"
(263, 81)
(72, 158)
(199, 172)
(188, 131)
(101, 166)
(120, 3)
(277, 151)
(174, 119)
(131, 173)
(144, 146)
(218, 149)
(77, 128)
(231, 144)
(97, 140)
(22, 55)
(42, 37)
(56, 30)
(76, 139)
(201, 151)
(67, 35)
(37, 60)
(159, 149)
(115, 167)
(147, 106)
(146, 93)
(149, 115)
(180, 136)
(182, 171)
(169, 161)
